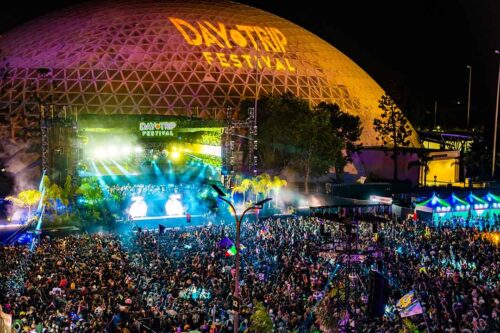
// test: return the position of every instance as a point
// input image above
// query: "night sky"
(418, 48)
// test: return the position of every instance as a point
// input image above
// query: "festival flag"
(225, 242)
(232, 250)
(409, 305)
(161, 228)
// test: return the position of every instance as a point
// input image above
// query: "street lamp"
(236, 295)
(497, 52)
(468, 95)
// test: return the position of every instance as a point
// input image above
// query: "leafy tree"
(318, 149)
(278, 118)
(477, 160)
(348, 129)
(393, 128)
(68, 190)
(46, 182)
(260, 322)
(291, 134)
(27, 198)
(53, 194)
(91, 193)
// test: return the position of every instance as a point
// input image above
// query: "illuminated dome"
(176, 58)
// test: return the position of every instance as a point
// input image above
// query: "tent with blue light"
(460, 207)
(427, 209)
(436, 209)
(478, 205)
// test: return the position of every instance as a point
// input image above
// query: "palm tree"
(423, 163)
(237, 189)
(260, 184)
(246, 185)
(277, 184)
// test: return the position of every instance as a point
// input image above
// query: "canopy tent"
(478, 205)
(434, 204)
(427, 209)
(493, 200)
(472, 206)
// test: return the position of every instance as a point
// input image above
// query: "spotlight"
(112, 151)
(175, 155)
(126, 150)
(99, 153)
(138, 149)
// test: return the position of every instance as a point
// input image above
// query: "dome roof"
(178, 57)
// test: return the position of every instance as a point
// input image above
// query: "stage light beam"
(175, 155)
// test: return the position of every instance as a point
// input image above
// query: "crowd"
(479, 222)
(130, 190)
(182, 279)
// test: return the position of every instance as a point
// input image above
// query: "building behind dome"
(173, 58)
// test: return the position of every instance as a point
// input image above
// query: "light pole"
(496, 123)
(468, 95)
(236, 294)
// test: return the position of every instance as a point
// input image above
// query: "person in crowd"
(131, 283)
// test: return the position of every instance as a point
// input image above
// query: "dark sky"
(421, 47)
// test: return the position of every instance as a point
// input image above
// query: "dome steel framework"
(174, 58)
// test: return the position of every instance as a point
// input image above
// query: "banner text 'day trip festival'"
(268, 40)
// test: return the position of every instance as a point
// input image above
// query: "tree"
(242, 186)
(477, 160)
(53, 194)
(27, 198)
(260, 184)
(277, 184)
(393, 128)
(68, 190)
(236, 189)
(246, 185)
(348, 129)
(423, 163)
(292, 135)
(318, 149)
(91, 193)
(260, 322)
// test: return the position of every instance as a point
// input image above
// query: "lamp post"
(238, 220)
(468, 96)
(497, 52)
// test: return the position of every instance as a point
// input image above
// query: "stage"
(178, 221)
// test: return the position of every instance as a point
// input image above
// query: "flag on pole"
(232, 250)
(225, 242)
(409, 305)
(161, 228)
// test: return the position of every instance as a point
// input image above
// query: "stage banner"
(409, 305)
